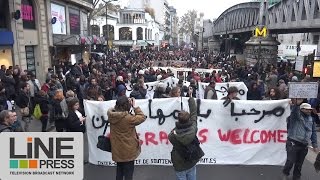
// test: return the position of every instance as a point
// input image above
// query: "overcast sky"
(210, 8)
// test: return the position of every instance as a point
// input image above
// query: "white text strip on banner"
(244, 132)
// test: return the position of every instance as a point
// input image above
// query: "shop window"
(139, 33)
(316, 39)
(27, 14)
(5, 56)
(125, 33)
(111, 31)
(95, 30)
(4, 15)
(31, 62)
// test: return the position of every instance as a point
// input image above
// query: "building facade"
(27, 29)
(135, 30)
(207, 34)
(174, 27)
(161, 12)
(303, 38)
(99, 28)
(68, 30)
(30, 30)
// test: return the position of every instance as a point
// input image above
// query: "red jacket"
(45, 88)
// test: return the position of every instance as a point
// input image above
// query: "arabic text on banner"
(244, 132)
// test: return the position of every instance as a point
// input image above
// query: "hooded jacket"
(184, 134)
(123, 135)
(5, 128)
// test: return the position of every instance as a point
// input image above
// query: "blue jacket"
(301, 128)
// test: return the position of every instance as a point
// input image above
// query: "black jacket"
(254, 95)
(43, 102)
(22, 100)
(73, 123)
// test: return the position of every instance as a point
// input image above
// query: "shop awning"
(123, 42)
(6, 38)
(142, 43)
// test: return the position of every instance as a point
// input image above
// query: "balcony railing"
(132, 21)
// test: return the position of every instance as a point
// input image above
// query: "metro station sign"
(260, 32)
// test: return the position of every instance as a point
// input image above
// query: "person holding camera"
(186, 151)
(123, 135)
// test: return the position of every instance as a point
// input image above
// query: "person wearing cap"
(210, 91)
(301, 129)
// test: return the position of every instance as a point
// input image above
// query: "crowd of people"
(108, 78)
(58, 101)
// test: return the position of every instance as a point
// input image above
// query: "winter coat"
(45, 87)
(34, 87)
(136, 94)
(123, 135)
(5, 128)
(3, 102)
(22, 100)
(73, 123)
(60, 113)
(254, 94)
(10, 86)
(184, 134)
(43, 103)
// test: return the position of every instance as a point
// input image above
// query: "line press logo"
(42, 154)
(56, 160)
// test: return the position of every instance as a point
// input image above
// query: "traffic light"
(305, 70)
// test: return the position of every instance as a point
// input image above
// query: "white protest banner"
(243, 132)
(303, 89)
(222, 88)
(151, 86)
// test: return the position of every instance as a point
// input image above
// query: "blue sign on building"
(6, 38)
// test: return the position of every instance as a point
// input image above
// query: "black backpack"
(191, 151)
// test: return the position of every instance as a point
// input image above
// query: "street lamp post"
(107, 27)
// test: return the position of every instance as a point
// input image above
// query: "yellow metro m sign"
(258, 32)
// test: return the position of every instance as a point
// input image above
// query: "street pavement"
(212, 172)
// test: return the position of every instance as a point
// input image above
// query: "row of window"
(125, 33)
(128, 18)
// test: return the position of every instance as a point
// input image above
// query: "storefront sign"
(59, 12)
(74, 20)
(243, 133)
